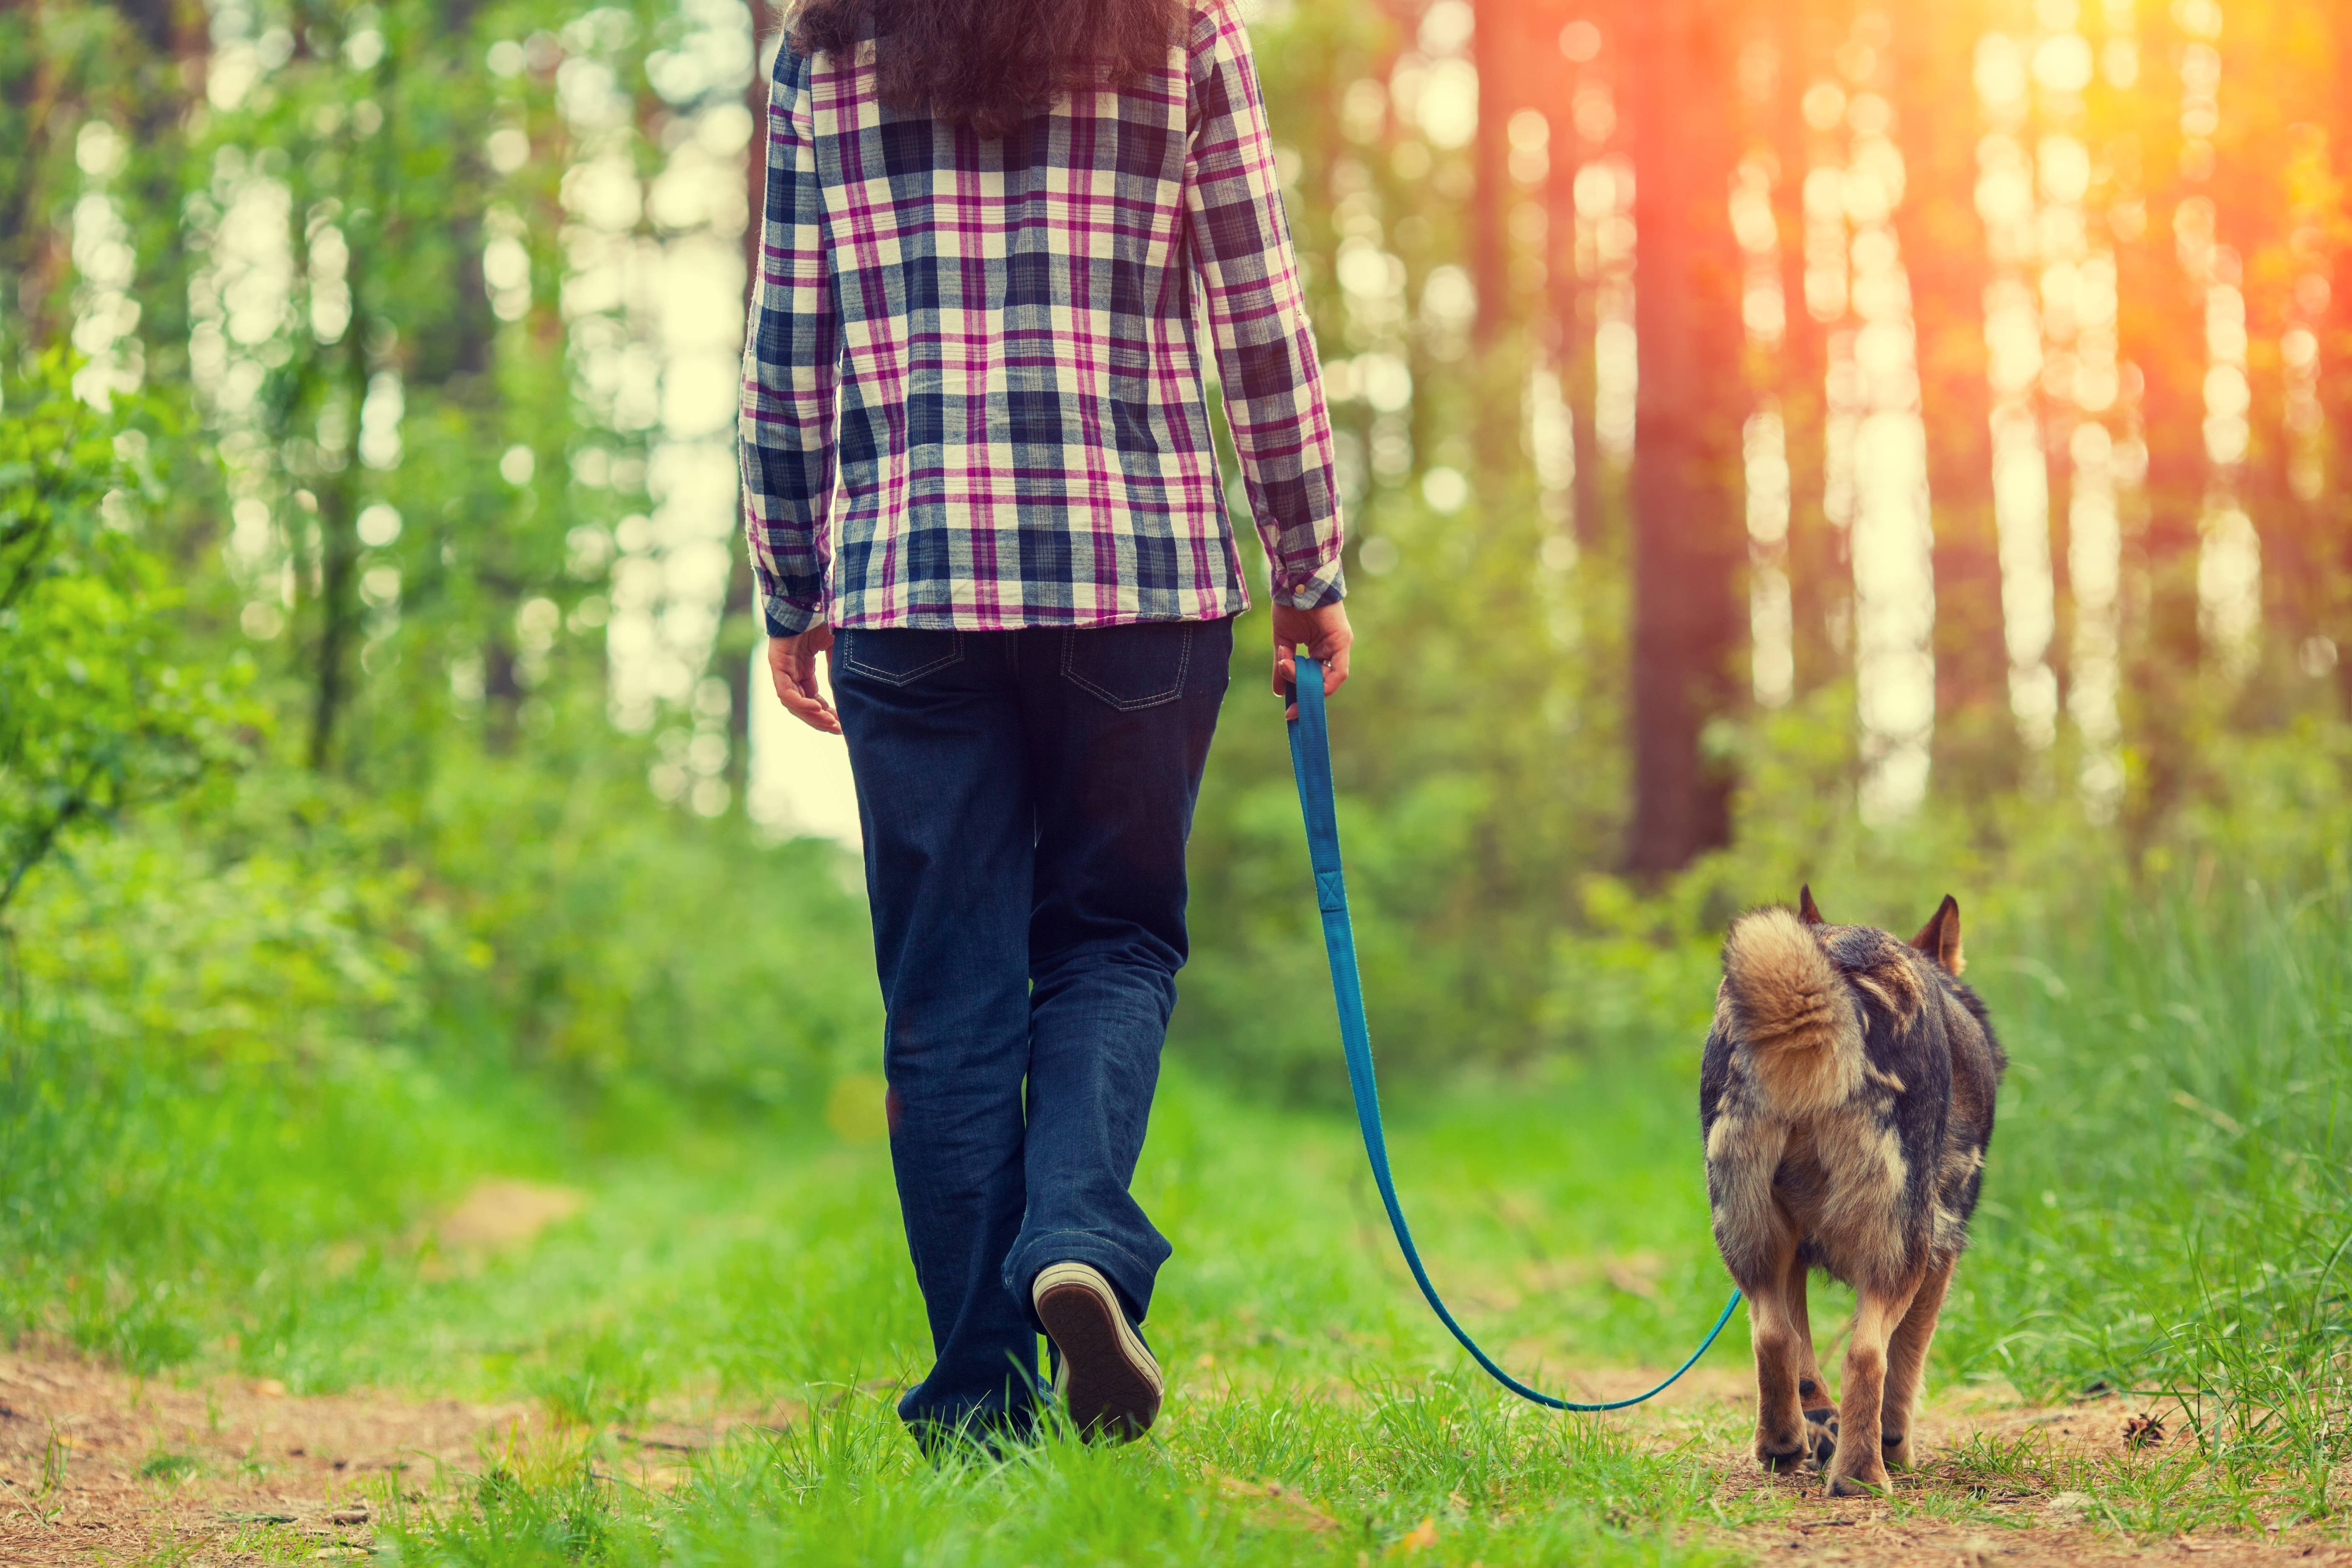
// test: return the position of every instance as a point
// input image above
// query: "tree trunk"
(2262, 158)
(742, 626)
(459, 355)
(1815, 573)
(1491, 43)
(765, 21)
(2161, 333)
(2333, 522)
(338, 548)
(34, 250)
(1575, 310)
(1944, 252)
(2058, 481)
(1690, 540)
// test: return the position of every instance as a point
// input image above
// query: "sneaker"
(1107, 1376)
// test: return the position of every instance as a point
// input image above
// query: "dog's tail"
(1792, 1015)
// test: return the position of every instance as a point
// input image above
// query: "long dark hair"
(989, 64)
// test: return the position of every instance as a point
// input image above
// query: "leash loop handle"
(1310, 762)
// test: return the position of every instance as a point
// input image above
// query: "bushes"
(94, 716)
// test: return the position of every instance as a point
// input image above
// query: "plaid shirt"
(1008, 329)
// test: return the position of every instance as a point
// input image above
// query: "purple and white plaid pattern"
(1008, 331)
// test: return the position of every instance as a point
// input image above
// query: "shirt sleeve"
(1264, 344)
(792, 368)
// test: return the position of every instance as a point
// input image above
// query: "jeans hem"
(1123, 1269)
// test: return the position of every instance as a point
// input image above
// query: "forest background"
(1900, 448)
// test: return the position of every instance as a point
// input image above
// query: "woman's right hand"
(792, 662)
(1325, 635)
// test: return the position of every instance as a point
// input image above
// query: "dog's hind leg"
(1906, 1361)
(1859, 1466)
(1813, 1394)
(1780, 1357)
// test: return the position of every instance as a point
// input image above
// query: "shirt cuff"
(785, 618)
(1327, 585)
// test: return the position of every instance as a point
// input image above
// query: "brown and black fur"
(1846, 1097)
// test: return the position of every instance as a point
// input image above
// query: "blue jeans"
(1026, 797)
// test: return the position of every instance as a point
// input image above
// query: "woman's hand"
(1324, 631)
(793, 661)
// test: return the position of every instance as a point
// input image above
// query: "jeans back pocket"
(1131, 667)
(897, 655)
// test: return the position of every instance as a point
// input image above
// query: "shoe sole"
(1108, 1375)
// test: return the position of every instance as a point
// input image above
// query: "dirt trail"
(96, 1465)
(2009, 1521)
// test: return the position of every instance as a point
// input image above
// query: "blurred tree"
(1576, 139)
(742, 627)
(42, 50)
(402, 374)
(1690, 537)
(1800, 33)
(2163, 236)
(1497, 42)
(2272, 195)
(1944, 252)
(2333, 320)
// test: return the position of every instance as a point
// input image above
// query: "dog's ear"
(1939, 938)
(1807, 911)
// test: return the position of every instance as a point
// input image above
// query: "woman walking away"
(991, 230)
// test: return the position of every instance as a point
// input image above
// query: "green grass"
(2166, 1214)
(1248, 1480)
(743, 1276)
(165, 1466)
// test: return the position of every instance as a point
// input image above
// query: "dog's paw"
(1895, 1450)
(1821, 1435)
(1865, 1480)
(1781, 1449)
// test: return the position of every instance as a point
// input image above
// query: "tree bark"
(1690, 539)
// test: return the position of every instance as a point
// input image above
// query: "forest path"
(99, 1465)
(1994, 1489)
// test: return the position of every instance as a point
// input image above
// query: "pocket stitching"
(850, 659)
(1130, 704)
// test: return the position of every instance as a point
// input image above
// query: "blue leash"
(1310, 759)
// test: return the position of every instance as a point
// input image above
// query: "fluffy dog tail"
(1792, 1015)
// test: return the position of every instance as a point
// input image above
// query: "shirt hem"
(1028, 617)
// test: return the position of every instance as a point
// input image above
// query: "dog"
(1846, 1099)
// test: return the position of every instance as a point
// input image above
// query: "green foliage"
(94, 716)
(609, 941)
(2175, 1215)
(294, 1018)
